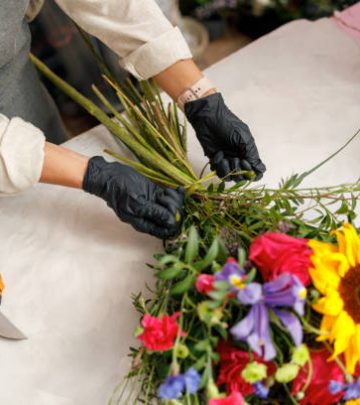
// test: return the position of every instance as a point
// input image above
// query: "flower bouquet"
(280, 324)
(256, 301)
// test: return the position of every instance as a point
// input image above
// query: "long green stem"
(151, 157)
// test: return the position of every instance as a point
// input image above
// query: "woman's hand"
(135, 199)
(226, 140)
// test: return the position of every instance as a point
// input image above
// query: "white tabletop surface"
(70, 265)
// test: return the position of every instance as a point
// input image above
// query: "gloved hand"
(135, 199)
(226, 140)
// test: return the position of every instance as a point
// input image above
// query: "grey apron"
(21, 93)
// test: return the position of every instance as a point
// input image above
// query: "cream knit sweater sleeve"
(146, 43)
(136, 30)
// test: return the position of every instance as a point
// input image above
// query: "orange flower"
(2, 285)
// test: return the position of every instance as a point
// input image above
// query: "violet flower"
(192, 380)
(351, 391)
(232, 274)
(261, 390)
(284, 291)
(174, 386)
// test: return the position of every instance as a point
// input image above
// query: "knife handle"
(2, 286)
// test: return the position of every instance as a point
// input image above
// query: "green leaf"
(218, 295)
(343, 209)
(241, 256)
(209, 257)
(192, 246)
(184, 285)
(200, 363)
(251, 275)
(221, 187)
(168, 259)
(202, 346)
(169, 274)
(221, 285)
(215, 304)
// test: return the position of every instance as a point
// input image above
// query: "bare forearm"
(178, 77)
(63, 166)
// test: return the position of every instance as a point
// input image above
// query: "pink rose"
(205, 283)
(277, 253)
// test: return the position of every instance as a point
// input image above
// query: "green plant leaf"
(192, 246)
(184, 285)
(170, 273)
(209, 257)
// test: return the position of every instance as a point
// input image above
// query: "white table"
(70, 265)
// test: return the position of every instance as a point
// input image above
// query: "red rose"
(277, 253)
(232, 363)
(159, 333)
(323, 371)
(234, 399)
(205, 283)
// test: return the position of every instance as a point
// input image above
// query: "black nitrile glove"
(136, 200)
(226, 140)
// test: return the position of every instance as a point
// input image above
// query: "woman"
(148, 46)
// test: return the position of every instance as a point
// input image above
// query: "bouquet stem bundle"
(154, 135)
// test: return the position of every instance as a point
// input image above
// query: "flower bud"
(254, 372)
(286, 373)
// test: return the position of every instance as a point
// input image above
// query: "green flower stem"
(348, 377)
(174, 362)
(292, 399)
(310, 328)
(307, 173)
(119, 117)
(151, 376)
(152, 174)
(156, 134)
(153, 158)
(309, 376)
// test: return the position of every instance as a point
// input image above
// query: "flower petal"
(325, 278)
(292, 324)
(342, 332)
(245, 327)
(326, 325)
(349, 244)
(251, 294)
(352, 353)
(263, 327)
(329, 305)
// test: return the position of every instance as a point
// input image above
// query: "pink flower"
(276, 253)
(159, 333)
(205, 283)
(234, 399)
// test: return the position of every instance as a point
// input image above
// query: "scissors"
(7, 329)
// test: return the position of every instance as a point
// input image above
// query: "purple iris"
(261, 390)
(284, 291)
(351, 391)
(230, 269)
(174, 386)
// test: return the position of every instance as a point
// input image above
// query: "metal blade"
(8, 330)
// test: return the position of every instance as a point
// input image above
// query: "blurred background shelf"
(213, 29)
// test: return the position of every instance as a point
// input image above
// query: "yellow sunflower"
(335, 273)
